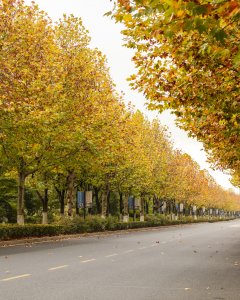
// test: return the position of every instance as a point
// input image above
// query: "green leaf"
(219, 35)
(236, 59)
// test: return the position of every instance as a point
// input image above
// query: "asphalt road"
(196, 261)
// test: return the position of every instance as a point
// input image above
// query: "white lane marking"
(80, 256)
(88, 260)
(141, 248)
(235, 226)
(128, 251)
(153, 245)
(163, 242)
(58, 267)
(16, 277)
(111, 255)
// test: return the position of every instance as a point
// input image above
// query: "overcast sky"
(106, 36)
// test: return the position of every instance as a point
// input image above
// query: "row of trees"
(187, 57)
(64, 127)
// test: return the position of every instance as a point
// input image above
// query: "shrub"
(91, 224)
(96, 223)
(8, 232)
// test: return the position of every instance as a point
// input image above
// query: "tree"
(8, 195)
(92, 108)
(28, 90)
(188, 56)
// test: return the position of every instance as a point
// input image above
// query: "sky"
(105, 35)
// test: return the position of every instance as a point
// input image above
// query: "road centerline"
(128, 251)
(16, 277)
(111, 255)
(58, 267)
(88, 260)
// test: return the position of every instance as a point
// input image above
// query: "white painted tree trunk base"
(195, 217)
(103, 216)
(125, 219)
(20, 219)
(141, 218)
(44, 218)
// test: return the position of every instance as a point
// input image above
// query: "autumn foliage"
(64, 127)
(187, 57)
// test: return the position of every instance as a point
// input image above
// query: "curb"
(59, 238)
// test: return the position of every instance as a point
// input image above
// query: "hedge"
(93, 224)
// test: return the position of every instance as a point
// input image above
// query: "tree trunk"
(170, 207)
(45, 207)
(44, 200)
(142, 209)
(98, 204)
(62, 206)
(44, 218)
(125, 209)
(61, 198)
(121, 203)
(108, 203)
(70, 192)
(104, 204)
(154, 203)
(147, 208)
(105, 198)
(20, 202)
(77, 209)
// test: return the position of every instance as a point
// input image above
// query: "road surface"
(195, 261)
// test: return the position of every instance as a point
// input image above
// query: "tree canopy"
(187, 57)
(64, 129)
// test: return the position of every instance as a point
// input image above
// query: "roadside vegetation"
(94, 224)
(72, 153)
